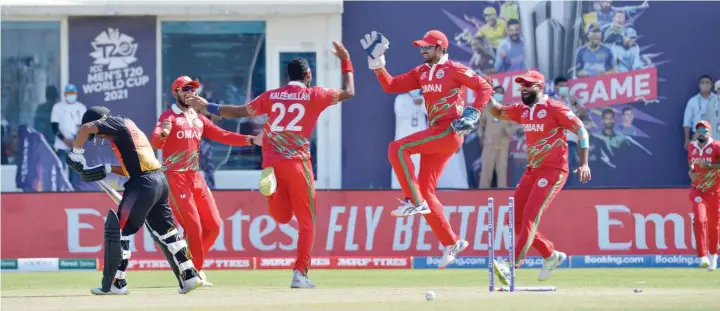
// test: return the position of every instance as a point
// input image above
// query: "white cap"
(717, 84)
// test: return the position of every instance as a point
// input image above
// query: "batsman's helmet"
(95, 113)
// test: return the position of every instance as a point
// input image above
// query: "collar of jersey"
(442, 61)
(297, 83)
(177, 110)
(709, 142)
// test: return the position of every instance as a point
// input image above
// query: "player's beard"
(530, 99)
(181, 102)
(701, 139)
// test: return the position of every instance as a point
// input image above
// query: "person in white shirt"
(410, 117)
(712, 114)
(65, 120)
(696, 107)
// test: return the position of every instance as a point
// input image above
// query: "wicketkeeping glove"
(375, 45)
(466, 123)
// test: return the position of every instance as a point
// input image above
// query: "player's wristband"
(346, 66)
(583, 138)
(214, 109)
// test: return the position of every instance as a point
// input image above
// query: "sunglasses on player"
(702, 130)
(527, 84)
(187, 88)
(428, 47)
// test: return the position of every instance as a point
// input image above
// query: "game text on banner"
(616, 88)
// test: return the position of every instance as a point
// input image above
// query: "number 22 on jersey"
(287, 117)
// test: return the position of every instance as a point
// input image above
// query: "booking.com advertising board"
(609, 228)
(635, 89)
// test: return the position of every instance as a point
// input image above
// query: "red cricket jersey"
(292, 112)
(443, 86)
(544, 125)
(704, 179)
(181, 149)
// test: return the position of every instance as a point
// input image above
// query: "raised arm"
(202, 106)
(215, 133)
(398, 84)
(348, 90)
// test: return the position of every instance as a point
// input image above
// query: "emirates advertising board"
(598, 228)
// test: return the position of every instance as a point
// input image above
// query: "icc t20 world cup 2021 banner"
(113, 63)
(356, 225)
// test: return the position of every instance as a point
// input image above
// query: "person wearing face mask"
(494, 136)
(696, 107)
(578, 108)
(65, 120)
(704, 161)
(544, 121)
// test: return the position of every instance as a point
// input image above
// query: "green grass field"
(396, 290)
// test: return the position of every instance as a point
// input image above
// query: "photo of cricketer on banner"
(113, 64)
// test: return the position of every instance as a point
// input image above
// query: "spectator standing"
(65, 120)
(410, 117)
(712, 114)
(562, 95)
(494, 136)
(696, 107)
(42, 122)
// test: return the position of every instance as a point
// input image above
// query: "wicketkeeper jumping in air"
(178, 133)
(443, 83)
(287, 178)
(544, 121)
(144, 202)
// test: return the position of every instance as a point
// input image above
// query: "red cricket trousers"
(295, 194)
(195, 211)
(436, 145)
(534, 193)
(706, 208)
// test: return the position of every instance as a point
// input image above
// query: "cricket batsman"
(144, 202)
(287, 177)
(178, 133)
(443, 83)
(544, 122)
(704, 160)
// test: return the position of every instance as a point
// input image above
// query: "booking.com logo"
(616, 260)
(459, 262)
(677, 260)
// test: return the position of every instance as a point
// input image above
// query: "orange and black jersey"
(129, 144)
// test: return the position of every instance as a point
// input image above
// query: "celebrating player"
(544, 121)
(287, 177)
(704, 160)
(193, 204)
(145, 199)
(443, 84)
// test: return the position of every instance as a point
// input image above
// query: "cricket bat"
(114, 195)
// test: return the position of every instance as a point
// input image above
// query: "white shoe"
(550, 263)
(268, 183)
(191, 285)
(409, 209)
(113, 291)
(713, 262)
(704, 262)
(451, 251)
(206, 283)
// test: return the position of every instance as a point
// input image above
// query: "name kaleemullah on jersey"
(305, 96)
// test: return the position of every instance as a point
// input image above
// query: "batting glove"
(95, 173)
(466, 123)
(76, 160)
(375, 45)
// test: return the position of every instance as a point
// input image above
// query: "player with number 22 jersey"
(287, 177)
